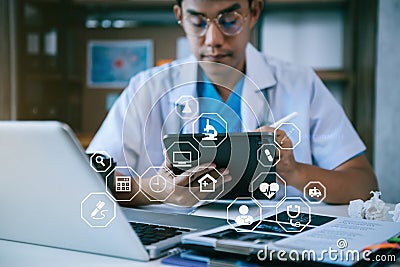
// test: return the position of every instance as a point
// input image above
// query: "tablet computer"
(250, 158)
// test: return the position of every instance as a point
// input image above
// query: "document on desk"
(341, 238)
(326, 239)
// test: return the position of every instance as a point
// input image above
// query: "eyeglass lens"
(229, 23)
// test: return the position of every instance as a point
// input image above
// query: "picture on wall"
(112, 63)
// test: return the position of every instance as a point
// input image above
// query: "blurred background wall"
(387, 118)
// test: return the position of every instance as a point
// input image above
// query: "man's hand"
(351, 180)
(184, 187)
(287, 166)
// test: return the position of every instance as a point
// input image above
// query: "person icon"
(244, 218)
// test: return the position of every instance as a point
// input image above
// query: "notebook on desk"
(45, 180)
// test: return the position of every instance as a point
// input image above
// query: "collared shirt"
(211, 102)
(132, 131)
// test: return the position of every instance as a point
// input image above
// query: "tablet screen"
(250, 157)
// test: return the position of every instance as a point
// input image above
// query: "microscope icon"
(210, 132)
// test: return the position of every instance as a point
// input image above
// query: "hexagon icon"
(155, 188)
(214, 125)
(314, 192)
(208, 187)
(123, 183)
(292, 132)
(98, 209)
(100, 161)
(262, 190)
(244, 214)
(293, 214)
(266, 155)
(187, 107)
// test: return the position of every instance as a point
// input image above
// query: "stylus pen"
(284, 119)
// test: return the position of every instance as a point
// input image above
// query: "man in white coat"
(250, 89)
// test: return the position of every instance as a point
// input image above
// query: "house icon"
(205, 181)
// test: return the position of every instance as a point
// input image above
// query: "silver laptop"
(44, 178)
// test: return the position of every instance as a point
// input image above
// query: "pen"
(391, 243)
(394, 240)
(384, 245)
(284, 119)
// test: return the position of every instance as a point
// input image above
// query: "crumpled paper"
(372, 209)
(396, 213)
(356, 209)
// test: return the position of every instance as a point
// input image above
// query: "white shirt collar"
(257, 68)
(259, 77)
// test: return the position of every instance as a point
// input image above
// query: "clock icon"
(158, 184)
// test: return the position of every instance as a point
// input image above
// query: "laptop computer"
(45, 176)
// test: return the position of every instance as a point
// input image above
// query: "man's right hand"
(184, 187)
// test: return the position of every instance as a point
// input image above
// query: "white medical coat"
(133, 129)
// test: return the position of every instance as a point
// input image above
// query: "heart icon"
(269, 190)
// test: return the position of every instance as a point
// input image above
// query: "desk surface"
(20, 254)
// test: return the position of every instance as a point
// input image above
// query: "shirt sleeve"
(109, 137)
(333, 138)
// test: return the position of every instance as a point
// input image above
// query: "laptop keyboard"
(152, 233)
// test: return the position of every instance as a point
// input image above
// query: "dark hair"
(179, 2)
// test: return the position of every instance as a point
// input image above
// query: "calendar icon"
(122, 184)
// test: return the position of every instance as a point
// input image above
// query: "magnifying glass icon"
(100, 160)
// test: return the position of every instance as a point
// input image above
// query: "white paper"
(341, 234)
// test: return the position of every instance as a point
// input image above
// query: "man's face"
(214, 45)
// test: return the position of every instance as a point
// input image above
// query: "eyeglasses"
(230, 23)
